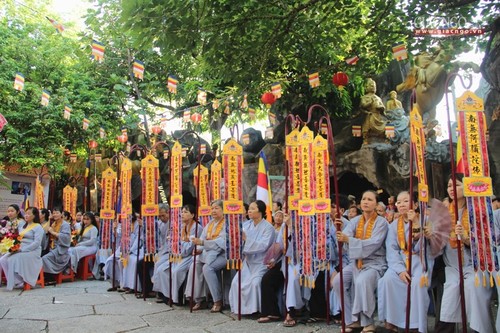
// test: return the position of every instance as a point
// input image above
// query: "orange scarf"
(464, 221)
(360, 231)
(402, 239)
(56, 227)
(218, 229)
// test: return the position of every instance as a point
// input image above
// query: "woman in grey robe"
(128, 264)
(58, 258)
(258, 236)
(87, 240)
(24, 265)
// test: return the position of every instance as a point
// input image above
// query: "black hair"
(343, 201)
(93, 220)
(279, 204)
(67, 216)
(46, 213)
(261, 206)
(18, 210)
(190, 208)
(36, 215)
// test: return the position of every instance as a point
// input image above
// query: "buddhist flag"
(59, 27)
(19, 82)
(97, 50)
(264, 185)
(45, 98)
(138, 69)
(186, 116)
(26, 202)
(86, 123)
(102, 132)
(399, 51)
(67, 112)
(352, 60)
(276, 89)
(172, 83)
(314, 79)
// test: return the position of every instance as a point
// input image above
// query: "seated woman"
(211, 260)
(24, 265)
(15, 219)
(58, 258)
(87, 240)
(364, 239)
(130, 257)
(45, 223)
(190, 229)
(392, 287)
(258, 235)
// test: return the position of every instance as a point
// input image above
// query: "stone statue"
(396, 116)
(372, 105)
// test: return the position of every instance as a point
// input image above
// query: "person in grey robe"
(58, 258)
(162, 262)
(368, 263)
(392, 287)
(45, 223)
(24, 265)
(477, 299)
(87, 240)
(190, 229)
(128, 264)
(110, 272)
(210, 260)
(258, 235)
(496, 219)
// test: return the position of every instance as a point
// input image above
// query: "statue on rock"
(397, 117)
(373, 127)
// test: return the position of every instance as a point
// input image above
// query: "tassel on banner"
(492, 282)
(476, 280)
(124, 261)
(498, 279)
(484, 279)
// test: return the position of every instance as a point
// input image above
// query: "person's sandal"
(197, 306)
(290, 322)
(216, 308)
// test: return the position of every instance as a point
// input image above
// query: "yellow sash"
(87, 229)
(28, 228)
(218, 229)
(360, 231)
(464, 221)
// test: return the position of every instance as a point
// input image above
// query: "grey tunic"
(58, 258)
(25, 265)
(86, 246)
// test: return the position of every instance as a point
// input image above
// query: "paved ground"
(85, 306)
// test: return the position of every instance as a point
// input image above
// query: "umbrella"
(440, 221)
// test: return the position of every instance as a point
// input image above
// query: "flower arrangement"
(5, 228)
(74, 237)
(11, 242)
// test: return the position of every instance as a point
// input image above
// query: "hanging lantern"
(268, 98)
(98, 157)
(67, 152)
(340, 79)
(92, 144)
(72, 157)
(196, 118)
(156, 129)
(122, 138)
(165, 154)
(324, 128)
(356, 130)
(245, 138)
(389, 131)
(203, 149)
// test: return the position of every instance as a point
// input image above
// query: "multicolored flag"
(67, 112)
(186, 116)
(59, 27)
(3, 122)
(97, 50)
(86, 123)
(202, 97)
(352, 60)
(138, 69)
(399, 51)
(45, 97)
(19, 82)
(276, 89)
(264, 185)
(102, 132)
(172, 83)
(314, 79)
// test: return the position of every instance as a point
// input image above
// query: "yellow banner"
(321, 158)
(70, 195)
(474, 146)
(39, 194)
(126, 186)
(215, 175)
(292, 157)
(306, 167)
(149, 175)
(233, 168)
(108, 194)
(477, 186)
(204, 199)
(176, 171)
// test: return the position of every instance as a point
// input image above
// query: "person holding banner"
(477, 298)
(162, 263)
(392, 287)
(212, 259)
(258, 236)
(87, 240)
(364, 239)
(24, 265)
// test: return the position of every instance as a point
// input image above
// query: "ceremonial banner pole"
(175, 208)
(107, 213)
(125, 211)
(232, 161)
(455, 203)
(409, 243)
(478, 187)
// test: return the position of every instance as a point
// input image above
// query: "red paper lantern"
(268, 98)
(340, 79)
(156, 129)
(196, 118)
(122, 138)
(92, 144)
(67, 152)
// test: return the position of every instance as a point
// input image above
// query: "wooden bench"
(40, 281)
